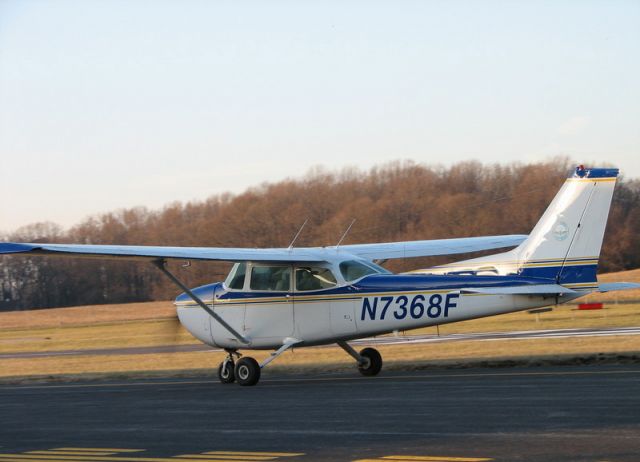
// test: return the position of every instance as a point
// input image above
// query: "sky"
(115, 104)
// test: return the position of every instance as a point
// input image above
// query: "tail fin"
(564, 246)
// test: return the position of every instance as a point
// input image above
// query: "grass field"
(155, 323)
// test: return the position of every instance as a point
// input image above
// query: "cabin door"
(343, 321)
(269, 303)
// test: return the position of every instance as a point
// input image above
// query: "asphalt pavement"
(589, 413)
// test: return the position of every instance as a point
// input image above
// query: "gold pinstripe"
(599, 180)
(326, 298)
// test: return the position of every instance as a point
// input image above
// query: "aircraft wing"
(134, 252)
(296, 254)
(409, 249)
(531, 289)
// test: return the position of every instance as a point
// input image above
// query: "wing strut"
(161, 265)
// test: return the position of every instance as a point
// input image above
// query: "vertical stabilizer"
(565, 244)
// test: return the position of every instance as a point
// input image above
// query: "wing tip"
(13, 247)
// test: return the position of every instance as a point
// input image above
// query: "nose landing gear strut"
(226, 369)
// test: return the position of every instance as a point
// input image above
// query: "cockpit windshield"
(235, 280)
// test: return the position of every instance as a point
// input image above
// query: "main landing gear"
(369, 360)
(372, 362)
(246, 371)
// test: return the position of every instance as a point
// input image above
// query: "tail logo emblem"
(561, 231)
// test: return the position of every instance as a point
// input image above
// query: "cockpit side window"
(314, 278)
(235, 280)
(352, 270)
(275, 278)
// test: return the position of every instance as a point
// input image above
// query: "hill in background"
(396, 202)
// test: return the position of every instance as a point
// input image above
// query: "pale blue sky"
(110, 104)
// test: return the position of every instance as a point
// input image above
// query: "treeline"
(399, 201)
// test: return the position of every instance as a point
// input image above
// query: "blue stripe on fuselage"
(570, 273)
(376, 283)
(413, 282)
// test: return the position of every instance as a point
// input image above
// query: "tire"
(226, 374)
(374, 362)
(247, 372)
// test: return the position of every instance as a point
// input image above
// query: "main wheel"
(247, 371)
(226, 372)
(373, 362)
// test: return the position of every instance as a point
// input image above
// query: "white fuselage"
(267, 323)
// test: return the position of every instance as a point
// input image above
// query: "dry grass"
(92, 327)
(323, 359)
(155, 324)
(113, 335)
(86, 315)
(620, 296)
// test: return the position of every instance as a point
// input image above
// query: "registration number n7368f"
(401, 306)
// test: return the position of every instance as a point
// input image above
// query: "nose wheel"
(245, 371)
(226, 369)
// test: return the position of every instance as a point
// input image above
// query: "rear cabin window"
(314, 278)
(270, 278)
(236, 276)
(352, 270)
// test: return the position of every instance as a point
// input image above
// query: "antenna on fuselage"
(297, 234)
(345, 233)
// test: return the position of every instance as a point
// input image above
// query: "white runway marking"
(514, 335)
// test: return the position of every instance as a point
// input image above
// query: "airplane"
(283, 298)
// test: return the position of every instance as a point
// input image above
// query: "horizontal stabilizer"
(611, 286)
(532, 289)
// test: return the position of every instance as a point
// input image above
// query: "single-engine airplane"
(281, 298)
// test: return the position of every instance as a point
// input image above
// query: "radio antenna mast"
(297, 234)
(345, 233)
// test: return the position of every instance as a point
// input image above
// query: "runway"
(386, 340)
(534, 414)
